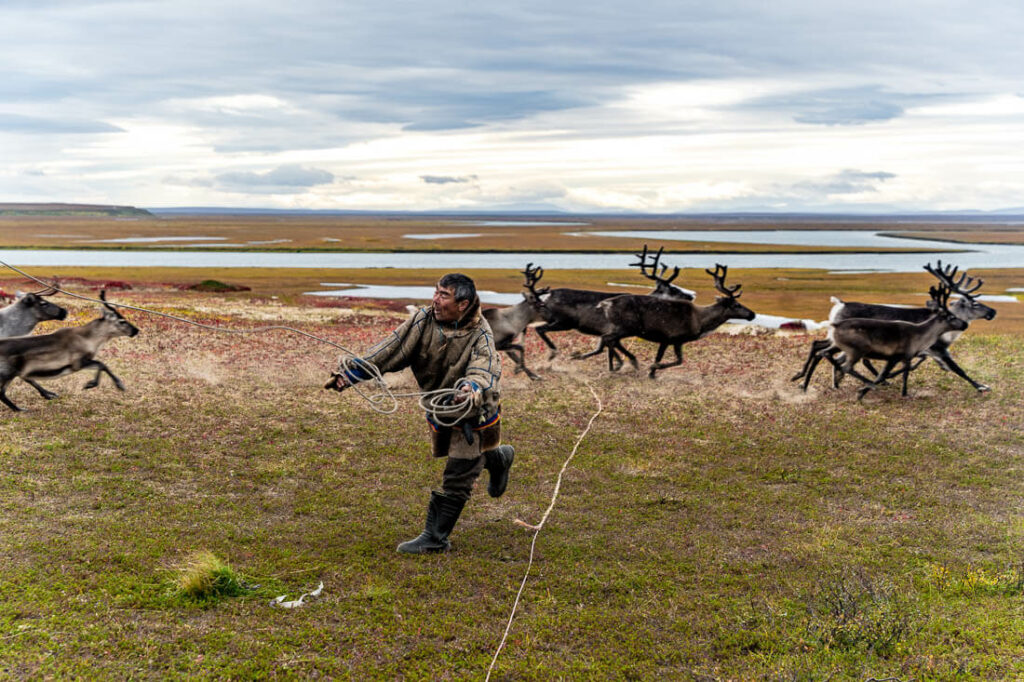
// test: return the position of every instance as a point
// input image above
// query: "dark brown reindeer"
(668, 322)
(508, 323)
(64, 351)
(967, 308)
(576, 309)
(893, 341)
(21, 317)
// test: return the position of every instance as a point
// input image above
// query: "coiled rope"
(537, 528)
(440, 404)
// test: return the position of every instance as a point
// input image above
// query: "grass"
(716, 524)
(207, 578)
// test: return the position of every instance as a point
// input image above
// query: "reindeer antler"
(654, 274)
(940, 295)
(962, 286)
(719, 277)
(533, 275)
(52, 289)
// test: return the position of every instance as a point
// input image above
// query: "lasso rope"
(439, 404)
(537, 528)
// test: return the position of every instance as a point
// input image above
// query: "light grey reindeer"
(966, 307)
(64, 351)
(508, 323)
(894, 341)
(21, 317)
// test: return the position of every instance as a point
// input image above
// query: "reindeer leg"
(825, 352)
(816, 347)
(947, 362)
(49, 395)
(100, 367)
(614, 360)
(677, 347)
(521, 362)
(906, 375)
(629, 356)
(542, 331)
(889, 364)
(584, 356)
(3, 395)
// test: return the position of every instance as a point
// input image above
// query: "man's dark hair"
(461, 285)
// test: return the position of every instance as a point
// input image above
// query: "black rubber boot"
(442, 513)
(498, 462)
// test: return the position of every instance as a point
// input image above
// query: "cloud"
(848, 181)
(836, 106)
(282, 176)
(34, 125)
(446, 179)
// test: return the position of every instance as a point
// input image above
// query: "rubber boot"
(442, 513)
(498, 462)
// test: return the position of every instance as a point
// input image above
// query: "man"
(449, 345)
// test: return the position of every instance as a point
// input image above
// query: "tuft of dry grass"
(205, 576)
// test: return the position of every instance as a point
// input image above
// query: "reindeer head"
(655, 271)
(41, 308)
(967, 306)
(729, 297)
(118, 325)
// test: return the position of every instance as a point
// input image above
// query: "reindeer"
(670, 322)
(894, 341)
(508, 323)
(21, 317)
(967, 308)
(575, 309)
(62, 352)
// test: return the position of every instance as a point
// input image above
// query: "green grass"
(716, 524)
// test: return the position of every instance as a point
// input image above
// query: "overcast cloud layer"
(636, 106)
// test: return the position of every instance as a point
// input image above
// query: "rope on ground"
(438, 403)
(538, 527)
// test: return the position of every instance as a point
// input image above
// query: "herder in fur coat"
(449, 345)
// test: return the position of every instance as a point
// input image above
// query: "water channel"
(967, 256)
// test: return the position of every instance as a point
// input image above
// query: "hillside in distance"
(55, 209)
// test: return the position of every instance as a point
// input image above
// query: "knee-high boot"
(498, 462)
(442, 513)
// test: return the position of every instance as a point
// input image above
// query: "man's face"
(446, 309)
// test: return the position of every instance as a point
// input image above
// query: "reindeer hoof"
(984, 389)
(91, 384)
(49, 395)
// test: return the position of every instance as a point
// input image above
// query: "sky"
(645, 106)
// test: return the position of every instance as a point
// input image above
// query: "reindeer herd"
(900, 338)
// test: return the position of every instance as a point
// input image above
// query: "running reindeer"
(893, 341)
(669, 322)
(508, 323)
(21, 317)
(576, 309)
(967, 308)
(62, 352)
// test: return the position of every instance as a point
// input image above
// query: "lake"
(967, 256)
